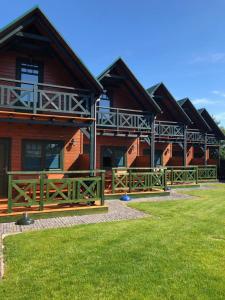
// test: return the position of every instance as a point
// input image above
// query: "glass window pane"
(28, 73)
(52, 156)
(32, 156)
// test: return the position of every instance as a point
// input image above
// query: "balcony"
(212, 140)
(164, 129)
(123, 119)
(43, 98)
(195, 136)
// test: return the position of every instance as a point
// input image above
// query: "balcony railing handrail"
(195, 130)
(123, 110)
(44, 84)
(54, 172)
(169, 122)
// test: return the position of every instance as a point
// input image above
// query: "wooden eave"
(212, 124)
(195, 116)
(153, 91)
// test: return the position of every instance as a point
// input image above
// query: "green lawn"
(178, 252)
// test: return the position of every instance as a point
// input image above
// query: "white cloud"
(219, 93)
(218, 57)
(204, 101)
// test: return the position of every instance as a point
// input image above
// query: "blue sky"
(178, 42)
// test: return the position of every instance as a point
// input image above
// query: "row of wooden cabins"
(57, 119)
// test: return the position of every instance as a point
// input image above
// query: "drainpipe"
(95, 133)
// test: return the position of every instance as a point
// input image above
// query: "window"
(42, 155)
(213, 153)
(198, 152)
(158, 156)
(31, 72)
(105, 103)
(113, 157)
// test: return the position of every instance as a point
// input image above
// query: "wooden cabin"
(47, 96)
(170, 129)
(202, 140)
(125, 115)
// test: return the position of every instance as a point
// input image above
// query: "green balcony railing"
(27, 189)
(137, 179)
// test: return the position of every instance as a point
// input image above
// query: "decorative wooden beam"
(33, 36)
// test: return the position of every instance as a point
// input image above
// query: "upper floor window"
(29, 73)
(105, 103)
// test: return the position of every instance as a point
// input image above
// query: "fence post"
(130, 178)
(113, 181)
(197, 175)
(171, 176)
(10, 204)
(42, 183)
(165, 182)
(102, 187)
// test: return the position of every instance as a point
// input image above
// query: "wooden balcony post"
(205, 150)
(185, 146)
(152, 139)
(93, 135)
(35, 99)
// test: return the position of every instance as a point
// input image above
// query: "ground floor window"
(113, 157)
(213, 153)
(158, 156)
(198, 152)
(42, 155)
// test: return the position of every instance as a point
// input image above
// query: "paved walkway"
(117, 211)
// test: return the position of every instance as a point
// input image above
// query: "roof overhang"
(153, 92)
(127, 75)
(37, 17)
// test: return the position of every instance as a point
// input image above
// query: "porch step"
(48, 208)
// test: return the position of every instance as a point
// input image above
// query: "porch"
(71, 191)
(47, 192)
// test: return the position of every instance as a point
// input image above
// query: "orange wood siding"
(54, 71)
(18, 132)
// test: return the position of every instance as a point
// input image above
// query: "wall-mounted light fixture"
(73, 142)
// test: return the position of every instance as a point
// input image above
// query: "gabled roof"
(194, 114)
(212, 124)
(153, 92)
(36, 16)
(119, 63)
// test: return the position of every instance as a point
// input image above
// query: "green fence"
(207, 172)
(145, 179)
(176, 175)
(27, 189)
(137, 179)
(190, 174)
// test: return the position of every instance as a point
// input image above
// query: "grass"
(178, 252)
